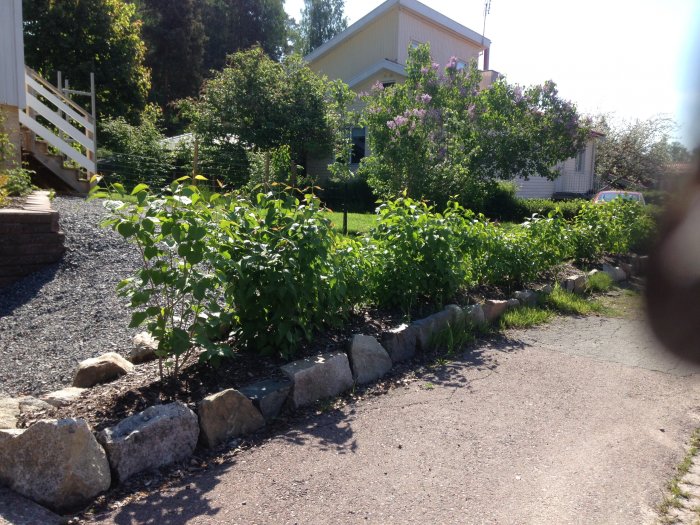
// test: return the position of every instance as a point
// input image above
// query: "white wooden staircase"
(58, 135)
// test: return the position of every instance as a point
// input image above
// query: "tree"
(633, 152)
(174, 37)
(233, 25)
(437, 135)
(678, 152)
(260, 104)
(321, 20)
(77, 37)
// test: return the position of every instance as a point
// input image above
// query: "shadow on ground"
(326, 426)
(174, 506)
(24, 290)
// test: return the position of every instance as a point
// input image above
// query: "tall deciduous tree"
(321, 20)
(174, 37)
(635, 152)
(233, 25)
(77, 37)
(264, 105)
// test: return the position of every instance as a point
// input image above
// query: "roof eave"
(412, 5)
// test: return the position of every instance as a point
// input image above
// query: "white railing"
(73, 130)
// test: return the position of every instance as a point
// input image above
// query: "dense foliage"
(174, 36)
(131, 154)
(78, 37)
(14, 180)
(269, 272)
(321, 20)
(637, 152)
(437, 135)
(235, 25)
(176, 292)
(263, 105)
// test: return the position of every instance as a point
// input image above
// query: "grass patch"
(357, 222)
(676, 494)
(599, 282)
(453, 338)
(572, 304)
(525, 317)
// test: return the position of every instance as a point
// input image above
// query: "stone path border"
(237, 413)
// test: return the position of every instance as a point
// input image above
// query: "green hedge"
(272, 270)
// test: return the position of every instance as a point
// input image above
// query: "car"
(611, 195)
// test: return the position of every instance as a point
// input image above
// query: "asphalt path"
(580, 421)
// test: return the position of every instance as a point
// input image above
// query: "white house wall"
(570, 180)
(11, 54)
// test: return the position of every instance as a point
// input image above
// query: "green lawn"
(357, 222)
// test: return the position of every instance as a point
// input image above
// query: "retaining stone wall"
(30, 238)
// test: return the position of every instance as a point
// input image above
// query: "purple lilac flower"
(452, 64)
(518, 94)
(425, 98)
(400, 120)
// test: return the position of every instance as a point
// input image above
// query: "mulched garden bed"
(105, 405)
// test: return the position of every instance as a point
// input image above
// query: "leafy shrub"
(136, 154)
(419, 253)
(18, 182)
(14, 181)
(613, 227)
(518, 254)
(355, 194)
(177, 290)
(569, 208)
(286, 277)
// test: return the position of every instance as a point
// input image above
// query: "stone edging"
(62, 465)
(30, 238)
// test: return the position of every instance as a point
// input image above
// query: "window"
(388, 83)
(414, 44)
(359, 141)
(461, 64)
(581, 161)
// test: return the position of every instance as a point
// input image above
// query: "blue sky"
(632, 58)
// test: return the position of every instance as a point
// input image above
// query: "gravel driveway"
(69, 311)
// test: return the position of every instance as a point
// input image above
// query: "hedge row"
(272, 272)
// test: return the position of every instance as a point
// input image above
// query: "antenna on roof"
(487, 10)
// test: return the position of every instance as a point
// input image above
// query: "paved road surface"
(582, 421)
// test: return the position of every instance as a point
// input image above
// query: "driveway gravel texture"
(581, 421)
(69, 311)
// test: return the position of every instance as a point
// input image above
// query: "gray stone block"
(400, 342)
(475, 314)
(615, 272)
(225, 415)
(368, 359)
(158, 436)
(526, 297)
(56, 463)
(318, 377)
(101, 369)
(268, 396)
(494, 308)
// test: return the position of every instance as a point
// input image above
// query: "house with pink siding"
(375, 49)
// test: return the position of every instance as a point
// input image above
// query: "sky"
(634, 59)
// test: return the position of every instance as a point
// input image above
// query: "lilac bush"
(438, 135)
